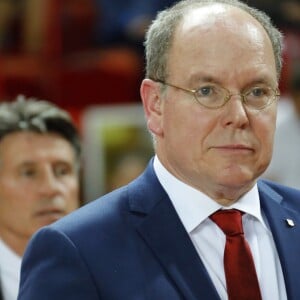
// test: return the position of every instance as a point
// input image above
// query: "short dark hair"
(30, 114)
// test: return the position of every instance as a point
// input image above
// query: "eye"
(206, 91)
(62, 169)
(258, 92)
(28, 172)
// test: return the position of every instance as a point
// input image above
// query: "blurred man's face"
(38, 183)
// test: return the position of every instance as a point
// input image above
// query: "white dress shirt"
(10, 266)
(194, 209)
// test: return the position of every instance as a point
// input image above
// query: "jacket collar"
(284, 223)
(175, 252)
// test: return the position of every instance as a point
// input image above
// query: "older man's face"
(218, 151)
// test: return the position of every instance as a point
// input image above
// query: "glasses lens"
(212, 96)
(259, 97)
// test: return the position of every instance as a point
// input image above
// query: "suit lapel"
(287, 238)
(164, 233)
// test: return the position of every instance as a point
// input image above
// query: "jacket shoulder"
(290, 197)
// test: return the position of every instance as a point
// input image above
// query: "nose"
(49, 183)
(235, 113)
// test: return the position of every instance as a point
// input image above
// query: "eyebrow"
(31, 163)
(264, 79)
(196, 78)
(26, 163)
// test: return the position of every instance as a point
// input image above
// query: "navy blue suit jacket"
(131, 245)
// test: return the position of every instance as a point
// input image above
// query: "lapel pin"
(290, 222)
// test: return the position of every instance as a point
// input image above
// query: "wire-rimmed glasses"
(215, 96)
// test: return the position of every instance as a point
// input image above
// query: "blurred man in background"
(39, 178)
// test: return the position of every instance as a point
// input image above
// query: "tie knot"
(229, 221)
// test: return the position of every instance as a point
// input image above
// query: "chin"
(237, 179)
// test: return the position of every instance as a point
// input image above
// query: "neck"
(227, 196)
(17, 244)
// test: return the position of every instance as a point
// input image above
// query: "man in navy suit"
(210, 100)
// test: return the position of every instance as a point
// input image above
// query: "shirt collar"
(193, 206)
(8, 258)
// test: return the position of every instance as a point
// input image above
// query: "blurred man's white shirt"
(10, 265)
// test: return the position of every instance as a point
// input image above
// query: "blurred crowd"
(74, 52)
(284, 13)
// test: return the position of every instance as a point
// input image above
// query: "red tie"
(241, 279)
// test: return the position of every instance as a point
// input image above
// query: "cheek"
(191, 135)
(71, 192)
(264, 132)
(14, 207)
(266, 123)
(187, 117)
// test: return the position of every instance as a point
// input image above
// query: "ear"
(153, 105)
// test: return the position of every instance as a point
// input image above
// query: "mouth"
(234, 148)
(50, 215)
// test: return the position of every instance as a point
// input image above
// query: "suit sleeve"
(52, 268)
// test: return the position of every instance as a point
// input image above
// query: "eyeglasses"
(214, 96)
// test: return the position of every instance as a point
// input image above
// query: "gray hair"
(160, 34)
(38, 116)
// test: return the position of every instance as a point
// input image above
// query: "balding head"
(160, 35)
